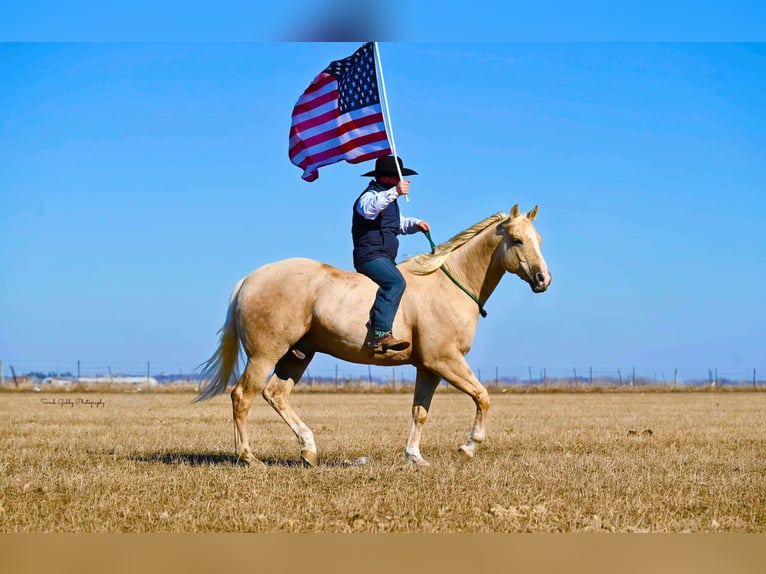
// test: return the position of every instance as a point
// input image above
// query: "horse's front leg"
(425, 385)
(457, 372)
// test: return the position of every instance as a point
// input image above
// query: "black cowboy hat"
(385, 166)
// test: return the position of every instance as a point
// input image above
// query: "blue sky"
(481, 20)
(140, 181)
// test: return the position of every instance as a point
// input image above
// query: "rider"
(375, 225)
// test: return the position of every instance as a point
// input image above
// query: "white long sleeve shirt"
(371, 203)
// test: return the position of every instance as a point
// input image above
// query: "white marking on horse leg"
(457, 372)
(276, 394)
(479, 432)
(412, 449)
(425, 385)
(306, 440)
(305, 437)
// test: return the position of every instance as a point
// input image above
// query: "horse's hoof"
(417, 461)
(309, 459)
(249, 460)
(465, 453)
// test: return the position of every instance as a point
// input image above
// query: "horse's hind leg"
(288, 372)
(252, 381)
(425, 385)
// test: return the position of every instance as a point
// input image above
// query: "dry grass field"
(618, 462)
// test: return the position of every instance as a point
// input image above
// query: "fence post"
(496, 383)
(675, 377)
(78, 370)
(2, 377)
(619, 374)
(530, 374)
(590, 376)
(633, 379)
(545, 375)
(575, 376)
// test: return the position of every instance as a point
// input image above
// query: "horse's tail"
(222, 368)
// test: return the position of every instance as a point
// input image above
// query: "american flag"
(339, 116)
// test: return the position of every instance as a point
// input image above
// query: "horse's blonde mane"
(426, 263)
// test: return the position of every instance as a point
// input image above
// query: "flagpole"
(388, 113)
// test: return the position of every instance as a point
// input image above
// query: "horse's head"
(520, 249)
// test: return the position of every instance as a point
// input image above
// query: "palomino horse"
(316, 308)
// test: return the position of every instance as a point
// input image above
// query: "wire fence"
(343, 374)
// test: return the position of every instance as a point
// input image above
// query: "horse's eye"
(516, 241)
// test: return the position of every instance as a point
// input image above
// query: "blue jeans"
(391, 288)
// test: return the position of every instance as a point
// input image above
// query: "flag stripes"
(321, 133)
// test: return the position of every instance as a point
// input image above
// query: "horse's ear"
(515, 211)
(532, 214)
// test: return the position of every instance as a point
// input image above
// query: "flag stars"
(353, 141)
(357, 85)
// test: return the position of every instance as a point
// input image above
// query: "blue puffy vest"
(375, 238)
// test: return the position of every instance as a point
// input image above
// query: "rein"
(482, 312)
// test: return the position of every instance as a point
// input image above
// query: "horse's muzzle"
(540, 282)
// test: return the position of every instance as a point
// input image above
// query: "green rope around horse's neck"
(455, 281)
